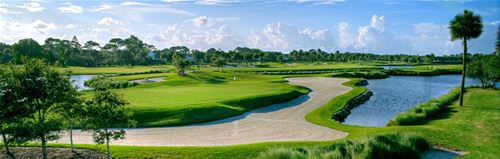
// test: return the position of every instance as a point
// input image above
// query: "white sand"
(278, 122)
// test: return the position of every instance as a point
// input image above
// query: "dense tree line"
(133, 51)
(37, 103)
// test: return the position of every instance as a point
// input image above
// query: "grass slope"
(112, 70)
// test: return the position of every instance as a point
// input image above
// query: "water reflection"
(78, 80)
(400, 93)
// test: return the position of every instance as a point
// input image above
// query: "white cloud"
(281, 37)
(174, 1)
(14, 30)
(377, 22)
(70, 9)
(216, 2)
(69, 26)
(32, 7)
(345, 39)
(317, 2)
(200, 21)
(495, 23)
(203, 21)
(108, 21)
(129, 3)
(133, 10)
(6, 9)
(201, 38)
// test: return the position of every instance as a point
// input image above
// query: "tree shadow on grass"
(445, 114)
(207, 79)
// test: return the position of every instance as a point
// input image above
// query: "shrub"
(387, 146)
(427, 110)
(111, 83)
(367, 75)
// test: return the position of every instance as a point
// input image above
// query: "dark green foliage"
(485, 68)
(43, 89)
(388, 146)
(435, 72)
(426, 111)
(109, 82)
(26, 48)
(367, 75)
(104, 110)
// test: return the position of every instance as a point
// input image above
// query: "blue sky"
(383, 27)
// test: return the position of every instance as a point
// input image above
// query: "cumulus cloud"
(133, 10)
(32, 7)
(70, 9)
(15, 30)
(203, 21)
(107, 21)
(281, 37)
(197, 38)
(318, 2)
(200, 21)
(216, 2)
(370, 38)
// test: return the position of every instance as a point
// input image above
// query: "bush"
(387, 146)
(427, 110)
(367, 75)
(110, 83)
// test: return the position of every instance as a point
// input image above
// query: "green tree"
(43, 88)
(104, 110)
(180, 63)
(220, 63)
(465, 26)
(26, 48)
(12, 109)
(72, 111)
(485, 69)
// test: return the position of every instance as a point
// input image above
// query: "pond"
(398, 94)
(388, 67)
(78, 80)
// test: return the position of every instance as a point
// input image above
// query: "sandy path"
(278, 122)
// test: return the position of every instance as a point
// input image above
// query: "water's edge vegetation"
(426, 110)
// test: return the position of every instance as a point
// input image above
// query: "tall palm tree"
(465, 26)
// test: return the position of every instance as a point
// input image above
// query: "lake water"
(400, 93)
(78, 80)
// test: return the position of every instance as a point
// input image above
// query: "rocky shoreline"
(352, 103)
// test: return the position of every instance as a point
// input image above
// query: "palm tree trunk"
(463, 72)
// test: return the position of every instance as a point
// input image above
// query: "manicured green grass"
(427, 68)
(112, 70)
(202, 96)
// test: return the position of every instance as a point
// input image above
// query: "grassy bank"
(426, 70)
(427, 110)
(389, 146)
